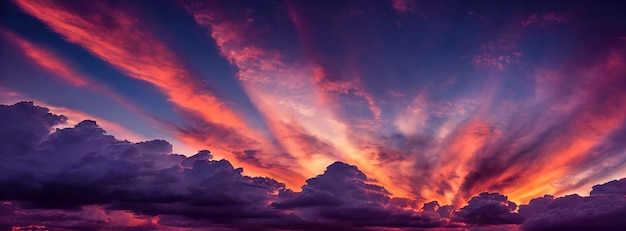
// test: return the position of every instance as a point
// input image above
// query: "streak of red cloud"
(601, 113)
(124, 44)
(262, 71)
(47, 60)
(330, 84)
(401, 6)
(61, 68)
(544, 20)
(118, 38)
(561, 139)
(286, 93)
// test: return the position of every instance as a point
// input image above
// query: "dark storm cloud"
(79, 166)
(617, 187)
(343, 196)
(536, 206)
(573, 212)
(604, 209)
(489, 208)
(23, 126)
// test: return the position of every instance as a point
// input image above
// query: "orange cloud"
(287, 94)
(46, 59)
(601, 114)
(119, 39)
(62, 69)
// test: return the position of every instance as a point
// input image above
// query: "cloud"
(80, 166)
(87, 218)
(617, 187)
(75, 170)
(336, 75)
(46, 59)
(81, 178)
(296, 103)
(573, 212)
(62, 69)
(602, 210)
(325, 91)
(113, 34)
(544, 20)
(536, 206)
(343, 196)
(551, 122)
(23, 126)
(489, 208)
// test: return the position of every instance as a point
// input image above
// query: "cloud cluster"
(489, 208)
(604, 209)
(573, 212)
(81, 178)
(23, 126)
(80, 166)
(342, 196)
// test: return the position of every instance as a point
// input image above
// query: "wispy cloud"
(114, 35)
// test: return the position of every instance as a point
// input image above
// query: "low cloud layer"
(80, 178)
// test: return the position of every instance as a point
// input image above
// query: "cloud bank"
(80, 178)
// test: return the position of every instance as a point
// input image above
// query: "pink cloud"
(544, 20)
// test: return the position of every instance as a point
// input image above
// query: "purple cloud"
(573, 212)
(489, 208)
(343, 196)
(23, 126)
(612, 187)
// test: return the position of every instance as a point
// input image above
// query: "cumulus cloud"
(573, 212)
(23, 126)
(81, 166)
(489, 208)
(343, 196)
(602, 210)
(612, 187)
(536, 206)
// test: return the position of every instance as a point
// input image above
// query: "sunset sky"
(406, 102)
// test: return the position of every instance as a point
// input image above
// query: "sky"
(315, 115)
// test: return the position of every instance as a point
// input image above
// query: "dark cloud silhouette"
(612, 187)
(23, 126)
(489, 208)
(536, 206)
(604, 209)
(573, 212)
(446, 211)
(344, 196)
(80, 166)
